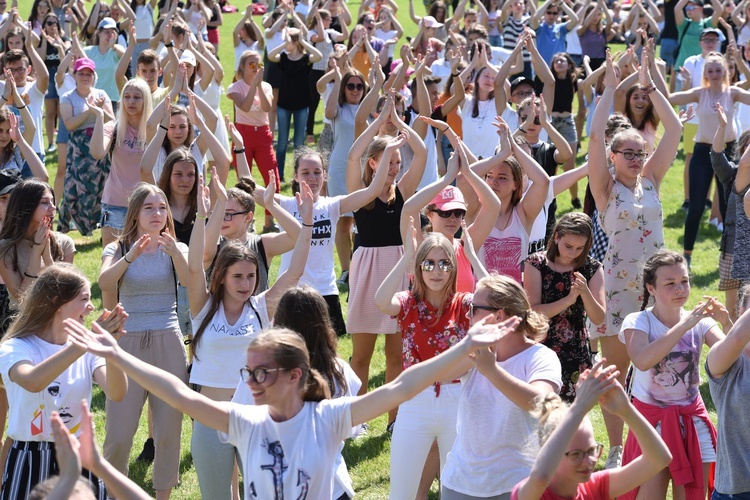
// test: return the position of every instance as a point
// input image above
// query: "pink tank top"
(465, 281)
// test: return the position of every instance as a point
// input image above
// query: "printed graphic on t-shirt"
(233, 331)
(503, 256)
(321, 231)
(278, 468)
(676, 376)
(38, 417)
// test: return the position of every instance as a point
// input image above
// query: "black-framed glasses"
(22, 70)
(228, 216)
(444, 265)
(447, 214)
(473, 307)
(258, 375)
(552, 13)
(630, 155)
(355, 86)
(594, 453)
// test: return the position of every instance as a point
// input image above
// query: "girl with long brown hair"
(226, 316)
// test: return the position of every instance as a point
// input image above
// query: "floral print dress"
(567, 334)
(633, 223)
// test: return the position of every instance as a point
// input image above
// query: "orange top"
(453, 119)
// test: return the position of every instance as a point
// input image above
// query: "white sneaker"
(715, 223)
(614, 459)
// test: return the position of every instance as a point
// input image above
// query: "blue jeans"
(283, 121)
(729, 496)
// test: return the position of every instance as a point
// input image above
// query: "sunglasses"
(474, 306)
(552, 13)
(258, 375)
(253, 65)
(446, 214)
(51, 23)
(444, 265)
(228, 216)
(355, 86)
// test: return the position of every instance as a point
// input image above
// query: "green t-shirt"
(691, 40)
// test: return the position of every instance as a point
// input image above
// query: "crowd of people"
(432, 183)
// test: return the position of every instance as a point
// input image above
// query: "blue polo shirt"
(550, 40)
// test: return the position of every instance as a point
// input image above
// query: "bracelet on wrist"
(29, 275)
(163, 127)
(202, 217)
(307, 225)
(455, 75)
(125, 257)
(21, 107)
(169, 45)
(238, 151)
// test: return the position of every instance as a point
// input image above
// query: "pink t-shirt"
(125, 172)
(596, 488)
(256, 116)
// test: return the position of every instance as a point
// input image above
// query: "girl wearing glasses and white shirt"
(226, 317)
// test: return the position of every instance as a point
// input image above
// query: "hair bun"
(246, 184)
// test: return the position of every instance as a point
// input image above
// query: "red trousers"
(259, 146)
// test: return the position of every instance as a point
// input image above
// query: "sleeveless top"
(708, 121)
(380, 226)
(504, 251)
(465, 280)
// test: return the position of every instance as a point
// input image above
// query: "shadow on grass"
(88, 246)
(706, 395)
(139, 471)
(364, 448)
(98, 400)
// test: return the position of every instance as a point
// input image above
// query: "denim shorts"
(668, 49)
(566, 126)
(113, 216)
(62, 132)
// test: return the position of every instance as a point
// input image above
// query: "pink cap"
(450, 198)
(85, 63)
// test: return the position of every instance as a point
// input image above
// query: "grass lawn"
(368, 457)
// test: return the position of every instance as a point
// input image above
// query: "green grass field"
(368, 458)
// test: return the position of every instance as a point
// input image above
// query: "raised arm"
(679, 13)
(657, 165)
(385, 297)
(358, 199)
(125, 60)
(532, 202)
(196, 285)
(422, 198)
(501, 79)
(208, 141)
(296, 268)
(600, 179)
(148, 160)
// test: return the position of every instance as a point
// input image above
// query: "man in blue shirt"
(550, 34)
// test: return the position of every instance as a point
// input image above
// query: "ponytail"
(316, 388)
(535, 325)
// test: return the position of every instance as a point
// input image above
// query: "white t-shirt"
(539, 229)
(441, 68)
(499, 55)
(676, 379)
(479, 135)
(319, 272)
(290, 459)
(36, 102)
(223, 347)
(492, 430)
(241, 48)
(144, 21)
(385, 36)
(243, 396)
(29, 413)
(572, 42)
(162, 157)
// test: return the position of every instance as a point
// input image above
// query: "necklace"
(483, 112)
